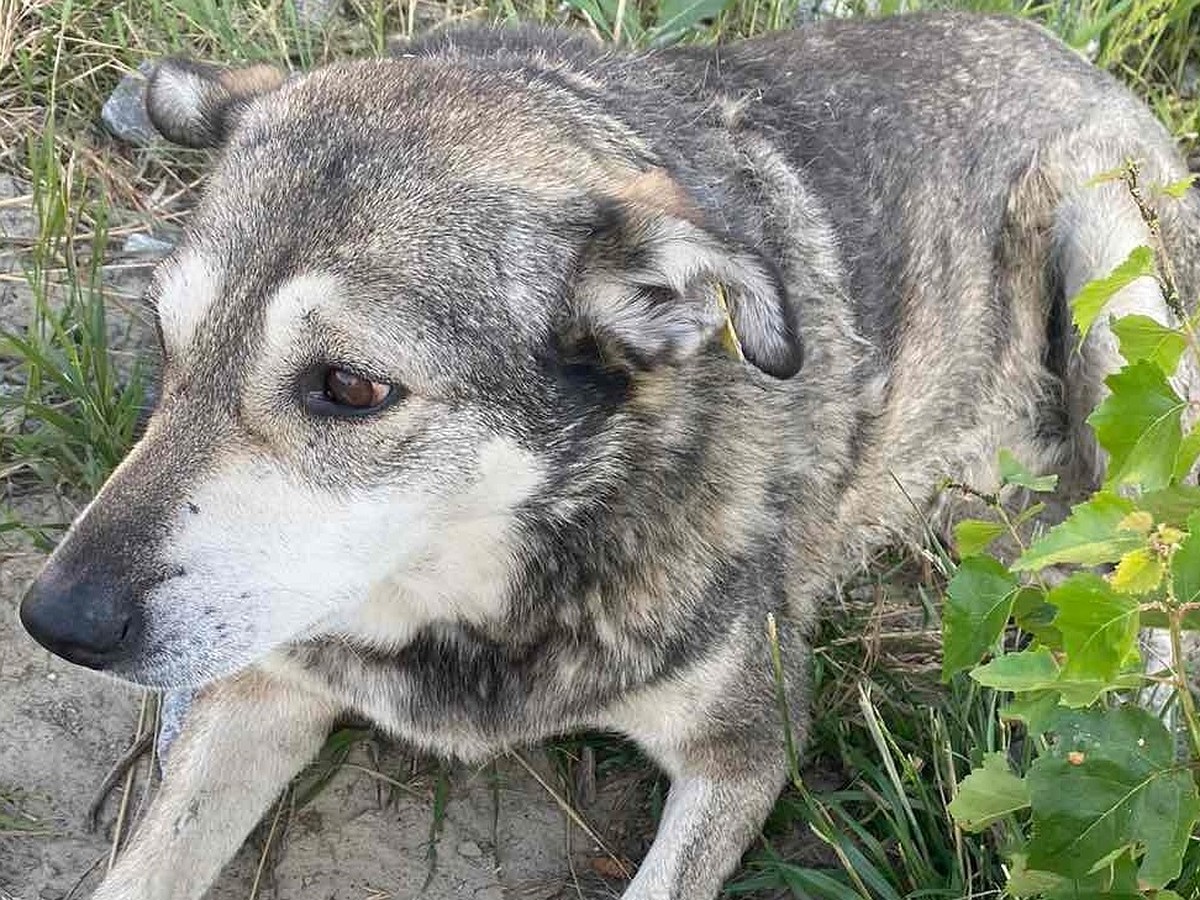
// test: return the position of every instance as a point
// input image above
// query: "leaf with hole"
(1109, 782)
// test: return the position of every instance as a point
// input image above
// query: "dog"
(512, 382)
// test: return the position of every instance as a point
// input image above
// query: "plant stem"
(1179, 667)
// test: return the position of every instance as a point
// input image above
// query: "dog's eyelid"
(317, 399)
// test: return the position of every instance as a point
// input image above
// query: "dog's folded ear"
(197, 105)
(655, 285)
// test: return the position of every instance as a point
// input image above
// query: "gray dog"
(509, 384)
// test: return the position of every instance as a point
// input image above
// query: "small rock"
(124, 113)
(1189, 84)
(145, 245)
(17, 219)
(316, 13)
(492, 892)
(470, 850)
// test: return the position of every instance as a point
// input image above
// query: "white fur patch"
(441, 581)
(639, 714)
(188, 287)
(268, 559)
(296, 299)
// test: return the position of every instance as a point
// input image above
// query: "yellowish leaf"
(1138, 572)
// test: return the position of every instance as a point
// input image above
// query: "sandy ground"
(502, 835)
(61, 729)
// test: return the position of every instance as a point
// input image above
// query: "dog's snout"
(82, 620)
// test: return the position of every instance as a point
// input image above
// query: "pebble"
(470, 850)
(145, 245)
(124, 113)
(1189, 84)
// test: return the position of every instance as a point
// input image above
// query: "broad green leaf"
(1139, 425)
(1090, 536)
(1026, 882)
(1037, 709)
(1173, 505)
(1139, 572)
(1076, 691)
(1109, 782)
(1178, 189)
(988, 794)
(677, 16)
(1142, 338)
(1139, 520)
(1092, 297)
(1029, 670)
(979, 600)
(1153, 618)
(1099, 633)
(971, 536)
(1013, 472)
(1185, 564)
(1189, 452)
(1033, 614)
(1114, 881)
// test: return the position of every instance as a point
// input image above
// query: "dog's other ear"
(197, 105)
(655, 286)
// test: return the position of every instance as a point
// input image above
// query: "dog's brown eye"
(347, 389)
(346, 393)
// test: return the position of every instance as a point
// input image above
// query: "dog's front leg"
(709, 820)
(243, 739)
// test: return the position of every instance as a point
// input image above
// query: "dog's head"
(410, 303)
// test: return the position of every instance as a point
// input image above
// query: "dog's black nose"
(81, 620)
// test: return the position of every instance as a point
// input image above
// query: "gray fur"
(527, 232)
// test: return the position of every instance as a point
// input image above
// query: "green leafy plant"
(1096, 795)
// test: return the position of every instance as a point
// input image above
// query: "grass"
(888, 744)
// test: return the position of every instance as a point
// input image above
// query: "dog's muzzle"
(85, 621)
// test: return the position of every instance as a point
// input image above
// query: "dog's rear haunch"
(451, 437)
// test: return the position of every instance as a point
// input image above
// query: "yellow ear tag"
(729, 337)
